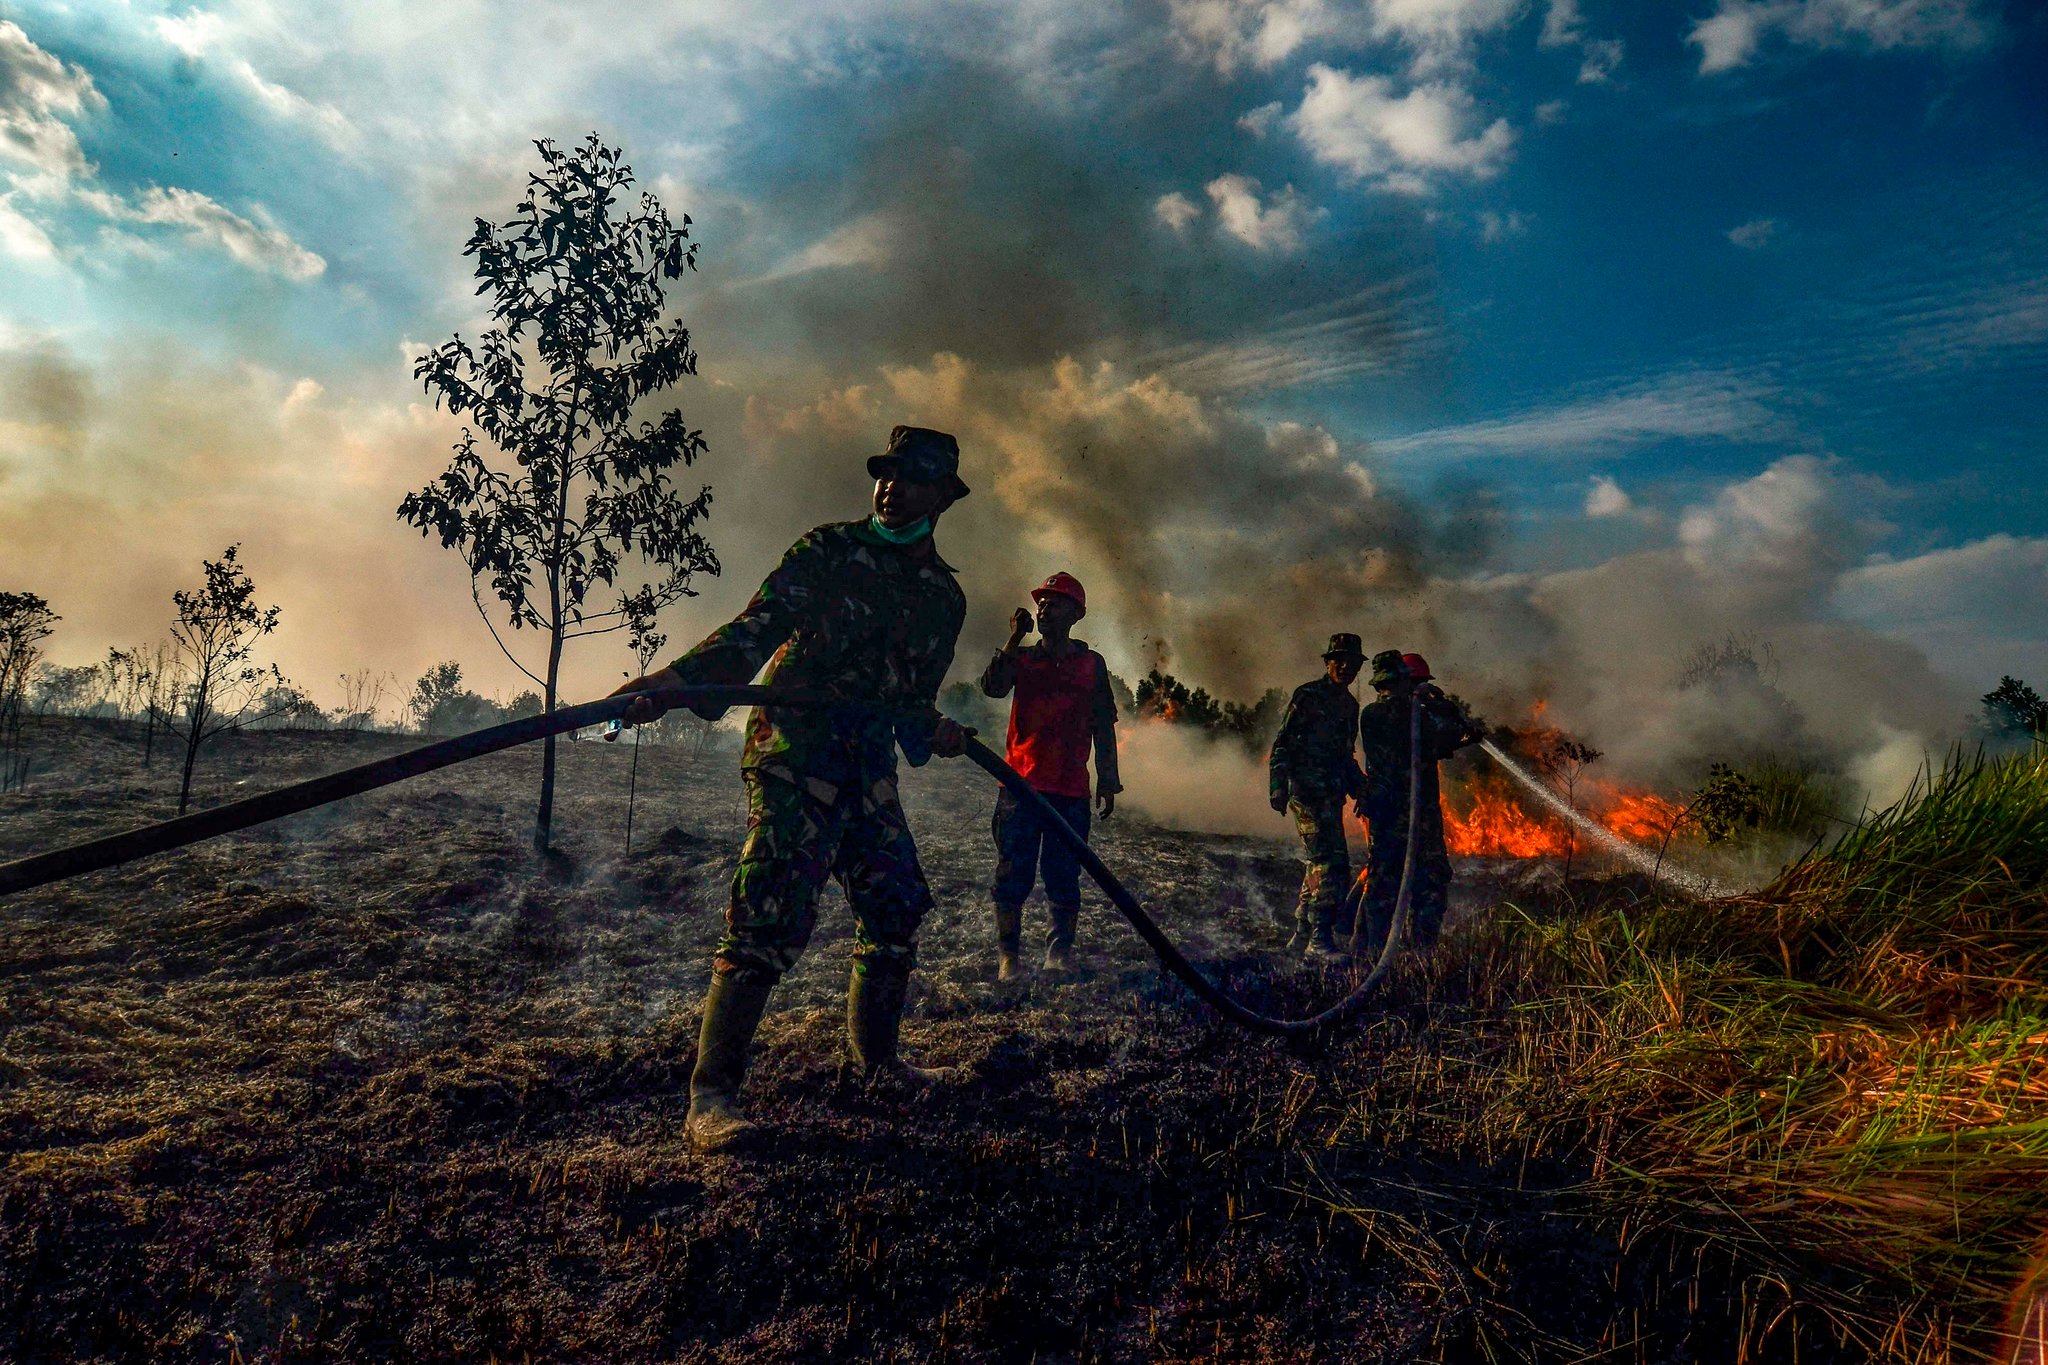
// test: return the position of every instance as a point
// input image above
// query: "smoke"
(1180, 778)
(976, 246)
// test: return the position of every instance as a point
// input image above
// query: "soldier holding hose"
(1311, 773)
(865, 610)
(1383, 732)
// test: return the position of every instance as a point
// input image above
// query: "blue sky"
(1485, 297)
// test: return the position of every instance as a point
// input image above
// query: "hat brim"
(1343, 654)
(890, 466)
(1038, 596)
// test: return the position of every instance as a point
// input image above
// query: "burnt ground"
(375, 1084)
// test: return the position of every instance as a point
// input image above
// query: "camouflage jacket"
(1312, 759)
(1447, 726)
(849, 614)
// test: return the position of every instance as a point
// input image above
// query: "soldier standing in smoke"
(1063, 705)
(865, 610)
(1311, 772)
(1446, 727)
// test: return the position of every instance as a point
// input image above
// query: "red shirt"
(1063, 705)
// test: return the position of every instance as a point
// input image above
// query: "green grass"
(1848, 1068)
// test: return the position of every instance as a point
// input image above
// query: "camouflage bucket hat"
(920, 453)
(1345, 646)
(1387, 667)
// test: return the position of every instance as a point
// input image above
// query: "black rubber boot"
(732, 1011)
(1009, 938)
(1059, 940)
(1323, 944)
(874, 1016)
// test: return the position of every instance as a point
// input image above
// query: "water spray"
(1641, 859)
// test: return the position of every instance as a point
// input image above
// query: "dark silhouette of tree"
(1727, 804)
(213, 683)
(1564, 760)
(2013, 713)
(362, 694)
(441, 705)
(25, 622)
(140, 677)
(575, 286)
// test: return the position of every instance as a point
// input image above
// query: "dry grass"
(375, 1086)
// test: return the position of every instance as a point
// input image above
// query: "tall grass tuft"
(1849, 1066)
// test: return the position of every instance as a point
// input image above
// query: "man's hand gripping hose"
(96, 854)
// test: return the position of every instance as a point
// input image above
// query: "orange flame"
(1485, 819)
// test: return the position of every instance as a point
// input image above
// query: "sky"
(1554, 337)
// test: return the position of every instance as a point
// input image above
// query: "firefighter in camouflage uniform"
(1311, 773)
(1446, 727)
(865, 610)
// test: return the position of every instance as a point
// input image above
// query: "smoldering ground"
(375, 1087)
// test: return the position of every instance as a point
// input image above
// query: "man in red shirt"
(1063, 705)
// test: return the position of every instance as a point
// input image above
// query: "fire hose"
(94, 855)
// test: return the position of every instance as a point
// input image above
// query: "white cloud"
(260, 245)
(1755, 234)
(1598, 60)
(1230, 34)
(1978, 610)
(1731, 36)
(1498, 227)
(1697, 406)
(21, 238)
(1176, 210)
(1551, 111)
(1259, 121)
(1358, 124)
(1564, 26)
(38, 94)
(1785, 524)
(868, 241)
(1440, 32)
(1606, 498)
(1274, 226)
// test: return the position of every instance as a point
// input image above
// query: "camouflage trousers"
(800, 830)
(1428, 896)
(1326, 871)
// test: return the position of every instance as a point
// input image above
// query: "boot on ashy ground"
(732, 1011)
(1059, 940)
(1323, 943)
(1304, 933)
(874, 1017)
(1009, 938)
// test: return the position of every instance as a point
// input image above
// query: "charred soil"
(376, 1083)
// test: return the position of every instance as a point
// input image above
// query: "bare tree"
(213, 683)
(362, 697)
(141, 677)
(575, 281)
(25, 622)
(1565, 760)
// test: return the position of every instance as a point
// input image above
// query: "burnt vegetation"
(384, 1083)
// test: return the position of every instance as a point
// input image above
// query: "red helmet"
(1418, 667)
(1066, 585)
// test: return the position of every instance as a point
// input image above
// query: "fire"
(1485, 819)
(1639, 817)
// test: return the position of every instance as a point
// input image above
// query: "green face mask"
(917, 530)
